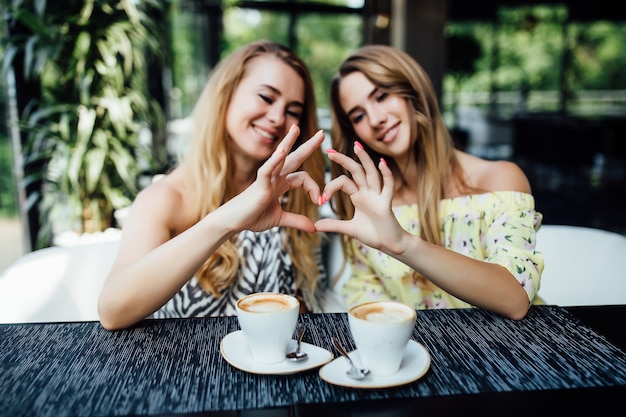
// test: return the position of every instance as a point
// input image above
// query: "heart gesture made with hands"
(371, 193)
(370, 189)
(258, 207)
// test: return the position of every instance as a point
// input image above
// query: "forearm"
(482, 284)
(137, 288)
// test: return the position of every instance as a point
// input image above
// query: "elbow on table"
(517, 311)
(107, 322)
(108, 318)
(518, 314)
(113, 325)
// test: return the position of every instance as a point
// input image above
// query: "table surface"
(173, 367)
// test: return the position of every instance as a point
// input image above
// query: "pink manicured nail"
(331, 150)
(382, 161)
(324, 198)
(320, 201)
(358, 145)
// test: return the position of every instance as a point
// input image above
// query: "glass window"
(323, 42)
(534, 59)
(191, 41)
(321, 39)
(243, 25)
(346, 3)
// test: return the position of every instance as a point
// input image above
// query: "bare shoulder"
(494, 175)
(156, 215)
(160, 205)
(165, 190)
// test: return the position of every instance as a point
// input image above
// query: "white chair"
(583, 266)
(54, 284)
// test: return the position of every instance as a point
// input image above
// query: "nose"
(377, 116)
(276, 114)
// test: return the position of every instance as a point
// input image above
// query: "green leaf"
(32, 22)
(81, 53)
(94, 163)
(86, 122)
(7, 60)
(86, 12)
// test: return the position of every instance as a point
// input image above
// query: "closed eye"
(356, 118)
(294, 113)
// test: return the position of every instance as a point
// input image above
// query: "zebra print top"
(265, 266)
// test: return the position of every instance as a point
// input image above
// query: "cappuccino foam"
(382, 313)
(265, 304)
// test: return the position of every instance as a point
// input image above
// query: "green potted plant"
(83, 129)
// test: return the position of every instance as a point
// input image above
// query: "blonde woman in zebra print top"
(237, 215)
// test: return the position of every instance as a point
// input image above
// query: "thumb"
(334, 225)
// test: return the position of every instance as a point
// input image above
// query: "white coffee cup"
(268, 321)
(381, 331)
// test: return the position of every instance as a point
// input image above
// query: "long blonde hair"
(395, 72)
(209, 161)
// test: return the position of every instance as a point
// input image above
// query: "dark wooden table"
(481, 364)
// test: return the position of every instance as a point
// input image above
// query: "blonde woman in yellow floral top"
(423, 222)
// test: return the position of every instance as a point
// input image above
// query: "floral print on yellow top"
(497, 227)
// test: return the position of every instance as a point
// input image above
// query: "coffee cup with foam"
(381, 331)
(268, 321)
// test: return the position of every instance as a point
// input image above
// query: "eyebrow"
(370, 95)
(278, 92)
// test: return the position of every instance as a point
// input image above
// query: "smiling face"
(379, 119)
(268, 100)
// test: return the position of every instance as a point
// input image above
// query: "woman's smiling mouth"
(390, 134)
(264, 133)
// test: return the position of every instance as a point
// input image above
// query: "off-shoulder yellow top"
(497, 227)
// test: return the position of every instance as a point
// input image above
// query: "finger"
(303, 180)
(372, 175)
(388, 181)
(297, 221)
(341, 183)
(328, 224)
(272, 166)
(290, 138)
(295, 159)
(352, 166)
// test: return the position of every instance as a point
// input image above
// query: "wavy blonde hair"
(395, 72)
(209, 161)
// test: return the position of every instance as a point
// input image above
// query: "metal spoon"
(353, 372)
(298, 355)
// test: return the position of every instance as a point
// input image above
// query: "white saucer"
(414, 365)
(234, 350)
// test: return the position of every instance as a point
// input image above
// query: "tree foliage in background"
(598, 56)
(322, 40)
(534, 47)
(525, 46)
(83, 130)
